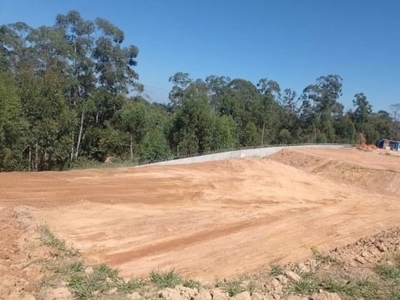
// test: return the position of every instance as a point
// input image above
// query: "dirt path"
(214, 219)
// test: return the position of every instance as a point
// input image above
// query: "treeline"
(64, 101)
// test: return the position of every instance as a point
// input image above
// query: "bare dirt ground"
(212, 219)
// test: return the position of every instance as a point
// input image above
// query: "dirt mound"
(370, 249)
(17, 278)
(376, 179)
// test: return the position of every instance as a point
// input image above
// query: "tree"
(325, 95)
(50, 121)
(362, 112)
(13, 128)
(100, 68)
(268, 107)
(134, 121)
(192, 123)
(181, 82)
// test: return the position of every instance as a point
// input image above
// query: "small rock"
(365, 254)
(204, 295)
(171, 294)
(292, 276)
(282, 279)
(89, 271)
(217, 294)
(303, 268)
(187, 292)
(112, 291)
(243, 296)
(382, 247)
(258, 296)
(276, 284)
(134, 296)
(360, 260)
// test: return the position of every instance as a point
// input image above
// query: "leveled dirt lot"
(214, 219)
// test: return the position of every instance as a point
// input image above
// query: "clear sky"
(290, 41)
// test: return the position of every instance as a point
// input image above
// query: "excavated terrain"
(208, 220)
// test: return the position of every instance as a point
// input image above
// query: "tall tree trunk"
(131, 148)
(30, 159)
(262, 134)
(78, 145)
(36, 166)
(72, 147)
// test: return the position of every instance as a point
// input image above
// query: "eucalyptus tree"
(101, 68)
(268, 108)
(325, 94)
(362, 112)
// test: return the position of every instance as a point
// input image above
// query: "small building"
(394, 145)
(389, 144)
(384, 144)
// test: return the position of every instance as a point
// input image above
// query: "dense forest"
(69, 95)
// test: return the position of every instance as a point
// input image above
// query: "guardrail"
(245, 153)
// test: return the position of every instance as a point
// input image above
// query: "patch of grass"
(363, 288)
(130, 286)
(165, 279)
(191, 283)
(49, 239)
(102, 279)
(394, 295)
(388, 272)
(333, 286)
(306, 286)
(396, 258)
(323, 258)
(66, 268)
(233, 287)
(276, 270)
(251, 287)
(218, 283)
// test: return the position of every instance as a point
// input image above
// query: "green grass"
(191, 283)
(233, 287)
(165, 279)
(387, 271)
(307, 285)
(50, 240)
(324, 258)
(276, 270)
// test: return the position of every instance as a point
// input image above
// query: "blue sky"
(290, 41)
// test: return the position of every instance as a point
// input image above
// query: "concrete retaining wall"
(245, 153)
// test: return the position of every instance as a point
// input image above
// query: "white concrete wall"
(246, 153)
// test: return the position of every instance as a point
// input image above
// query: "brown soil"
(211, 219)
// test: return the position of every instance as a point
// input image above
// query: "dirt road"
(215, 219)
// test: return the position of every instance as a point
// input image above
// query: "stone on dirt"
(217, 294)
(325, 296)
(292, 276)
(242, 296)
(134, 296)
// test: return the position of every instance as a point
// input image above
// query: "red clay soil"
(214, 219)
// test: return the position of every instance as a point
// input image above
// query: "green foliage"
(192, 284)
(388, 271)
(13, 127)
(49, 239)
(233, 287)
(63, 100)
(155, 147)
(165, 279)
(307, 285)
(276, 270)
